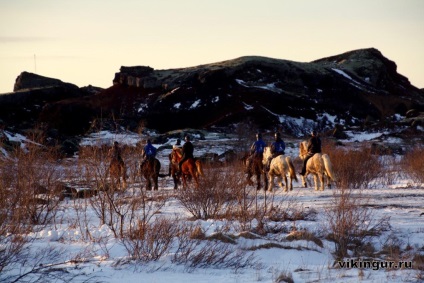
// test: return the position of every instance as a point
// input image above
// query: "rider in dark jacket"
(277, 148)
(314, 146)
(187, 151)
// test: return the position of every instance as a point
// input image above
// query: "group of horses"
(319, 165)
(191, 169)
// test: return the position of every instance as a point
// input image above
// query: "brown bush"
(413, 164)
(354, 168)
(350, 222)
(216, 195)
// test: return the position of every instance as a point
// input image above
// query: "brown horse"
(117, 172)
(254, 166)
(150, 171)
(318, 165)
(280, 167)
(191, 168)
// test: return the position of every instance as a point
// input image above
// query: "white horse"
(318, 165)
(280, 167)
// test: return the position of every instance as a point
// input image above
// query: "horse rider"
(277, 148)
(187, 151)
(256, 150)
(115, 152)
(314, 146)
(149, 152)
(177, 144)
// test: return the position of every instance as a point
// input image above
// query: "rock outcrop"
(27, 81)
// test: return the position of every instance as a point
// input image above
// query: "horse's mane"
(176, 154)
(178, 151)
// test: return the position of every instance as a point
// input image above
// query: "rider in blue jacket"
(277, 148)
(256, 150)
(149, 152)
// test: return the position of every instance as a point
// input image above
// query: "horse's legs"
(174, 177)
(123, 174)
(193, 173)
(183, 177)
(148, 183)
(270, 180)
(287, 188)
(156, 182)
(258, 180)
(328, 181)
(290, 184)
(304, 181)
(316, 182)
(322, 181)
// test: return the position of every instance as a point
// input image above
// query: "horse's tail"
(199, 167)
(328, 167)
(292, 171)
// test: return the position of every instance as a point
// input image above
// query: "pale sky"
(86, 41)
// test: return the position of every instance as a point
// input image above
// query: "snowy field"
(276, 257)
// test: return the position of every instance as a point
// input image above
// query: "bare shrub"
(43, 265)
(355, 169)
(350, 223)
(19, 212)
(32, 176)
(413, 164)
(150, 241)
(214, 197)
(115, 208)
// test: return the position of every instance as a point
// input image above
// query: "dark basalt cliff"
(353, 88)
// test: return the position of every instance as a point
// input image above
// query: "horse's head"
(267, 153)
(176, 155)
(303, 149)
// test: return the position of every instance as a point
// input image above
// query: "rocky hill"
(356, 88)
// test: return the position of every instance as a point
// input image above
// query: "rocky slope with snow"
(356, 88)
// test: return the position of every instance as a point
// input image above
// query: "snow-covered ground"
(401, 202)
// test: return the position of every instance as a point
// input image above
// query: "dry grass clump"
(304, 235)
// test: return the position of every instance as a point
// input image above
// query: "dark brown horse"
(117, 172)
(254, 166)
(191, 168)
(150, 171)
